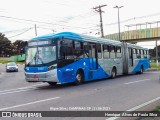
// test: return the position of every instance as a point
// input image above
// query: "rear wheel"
(113, 73)
(141, 70)
(79, 77)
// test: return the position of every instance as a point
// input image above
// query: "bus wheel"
(113, 73)
(79, 77)
(52, 83)
(141, 70)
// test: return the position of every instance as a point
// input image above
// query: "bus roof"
(78, 37)
(83, 38)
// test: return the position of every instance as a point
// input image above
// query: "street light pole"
(119, 36)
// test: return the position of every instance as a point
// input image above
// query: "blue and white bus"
(70, 57)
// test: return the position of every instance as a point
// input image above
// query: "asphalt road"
(119, 94)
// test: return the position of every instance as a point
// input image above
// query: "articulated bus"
(69, 57)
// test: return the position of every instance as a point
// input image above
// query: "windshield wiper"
(40, 60)
(34, 58)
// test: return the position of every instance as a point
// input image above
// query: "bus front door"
(93, 57)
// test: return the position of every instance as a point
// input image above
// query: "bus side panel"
(100, 72)
(108, 64)
(138, 63)
(68, 73)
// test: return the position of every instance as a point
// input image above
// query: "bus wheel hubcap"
(78, 77)
(113, 74)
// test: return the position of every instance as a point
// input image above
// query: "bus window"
(145, 54)
(106, 52)
(112, 53)
(142, 54)
(92, 50)
(138, 54)
(118, 52)
(130, 50)
(99, 51)
(78, 50)
(65, 49)
(86, 50)
(134, 53)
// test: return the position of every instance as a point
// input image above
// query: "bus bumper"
(49, 76)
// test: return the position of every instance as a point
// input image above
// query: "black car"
(11, 66)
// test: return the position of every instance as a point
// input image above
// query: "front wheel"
(79, 77)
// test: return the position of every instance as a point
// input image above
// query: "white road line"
(28, 87)
(30, 103)
(137, 107)
(137, 81)
(15, 91)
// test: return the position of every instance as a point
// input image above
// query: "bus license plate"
(35, 78)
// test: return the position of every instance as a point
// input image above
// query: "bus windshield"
(40, 55)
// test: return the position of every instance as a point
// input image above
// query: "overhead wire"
(20, 33)
(17, 30)
(134, 18)
(35, 21)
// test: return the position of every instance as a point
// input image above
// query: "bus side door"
(130, 51)
(93, 57)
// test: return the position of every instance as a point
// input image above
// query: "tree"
(5, 46)
(152, 53)
(19, 46)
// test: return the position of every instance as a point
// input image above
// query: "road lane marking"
(137, 107)
(30, 103)
(16, 91)
(28, 87)
(136, 81)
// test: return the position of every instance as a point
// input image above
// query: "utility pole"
(35, 29)
(98, 9)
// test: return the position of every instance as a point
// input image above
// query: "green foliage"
(157, 109)
(154, 65)
(5, 45)
(152, 52)
(8, 49)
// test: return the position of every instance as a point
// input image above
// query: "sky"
(18, 17)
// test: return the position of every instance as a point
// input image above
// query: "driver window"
(65, 49)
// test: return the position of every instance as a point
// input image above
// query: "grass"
(157, 109)
(154, 65)
(3, 61)
(6, 60)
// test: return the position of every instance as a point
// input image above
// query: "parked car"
(11, 66)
